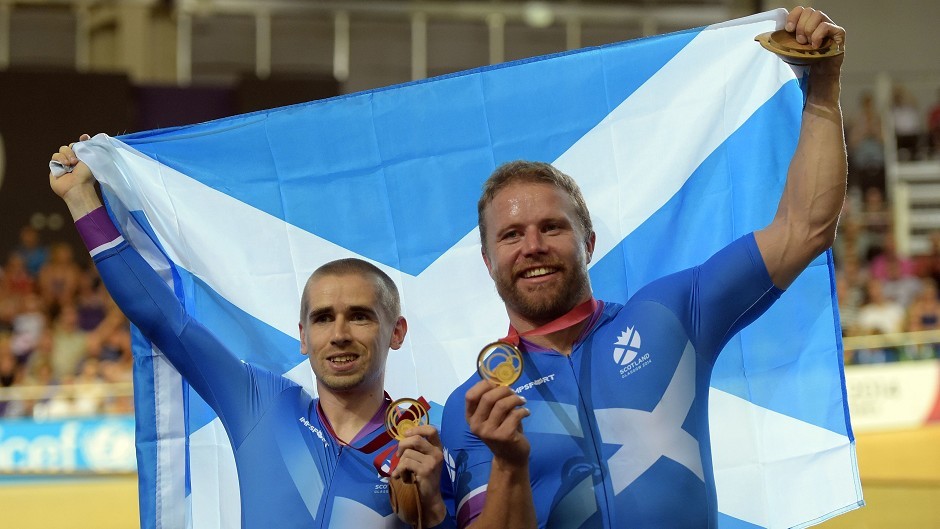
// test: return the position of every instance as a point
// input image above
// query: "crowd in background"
(879, 290)
(60, 331)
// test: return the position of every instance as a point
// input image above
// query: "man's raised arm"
(808, 213)
(213, 371)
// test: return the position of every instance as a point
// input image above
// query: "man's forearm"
(809, 208)
(508, 499)
(816, 182)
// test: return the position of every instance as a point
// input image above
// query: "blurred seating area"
(65, 348)
(888, 265)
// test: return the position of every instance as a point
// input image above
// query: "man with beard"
(590, 456)
(301, 461)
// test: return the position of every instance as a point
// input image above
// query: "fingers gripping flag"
(681, 144)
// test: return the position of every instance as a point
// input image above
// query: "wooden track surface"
(69, 503)
(900, 480)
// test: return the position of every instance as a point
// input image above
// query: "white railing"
(61, 401)
(913, 186)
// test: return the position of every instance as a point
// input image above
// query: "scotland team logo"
(627, 346)
(450, 465)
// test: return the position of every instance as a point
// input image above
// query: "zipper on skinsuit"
(589, 430)
(328, 489)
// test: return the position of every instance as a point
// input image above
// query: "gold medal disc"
(784, 44)
(404, 415)
(500, 363)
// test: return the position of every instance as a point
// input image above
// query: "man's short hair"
(389, 300)
(531, 172)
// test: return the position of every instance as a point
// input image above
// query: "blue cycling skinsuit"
(619, 429)
(292, 472)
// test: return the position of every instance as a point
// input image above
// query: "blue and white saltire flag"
(681, 144)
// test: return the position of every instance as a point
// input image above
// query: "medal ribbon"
(367, 448)
(378, 441)
(573, 317)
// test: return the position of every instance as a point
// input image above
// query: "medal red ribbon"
(573, 317)
(378, 441)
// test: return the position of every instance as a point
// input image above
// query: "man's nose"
(340, 331)
(533, 242)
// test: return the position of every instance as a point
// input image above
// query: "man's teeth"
(537, 272)
(342, 359)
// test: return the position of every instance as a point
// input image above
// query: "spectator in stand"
(866, 146)
(59, 278)
(28, 327)
(933, 127)
(42, 357)
(31, 249)
(880, 315)
(69, 343)
(9, 308)
(856, 277)
(907, 124)
(90, 399)
(899, 286)
(9, 372)
(93, 302)
(848, 307)
(888, 257)
(852, 242)
(928, 264)
(16, 281)
(112, 344)
(38, 374)
(112, 374)
(876, 220)
(924, 315)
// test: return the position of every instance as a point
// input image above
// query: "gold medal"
(403, 415)
(500, 363)
(784, 44)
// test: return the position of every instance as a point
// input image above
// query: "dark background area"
(41, 110)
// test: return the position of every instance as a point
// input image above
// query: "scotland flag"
(681, 144)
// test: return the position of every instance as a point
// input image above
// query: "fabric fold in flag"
(680, 143)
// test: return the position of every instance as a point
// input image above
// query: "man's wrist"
(825, 86)
(513, 465)
(81, 200)
(438, 518)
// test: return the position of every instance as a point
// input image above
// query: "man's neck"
(561, 341)
(349, 411)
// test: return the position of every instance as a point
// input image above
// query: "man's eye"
(322, 318)
(509, 235)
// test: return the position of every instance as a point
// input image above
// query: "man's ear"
(303, 339)
(589, 245)
(486, 261)
(398, 333)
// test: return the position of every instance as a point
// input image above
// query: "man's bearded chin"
(546, 304)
